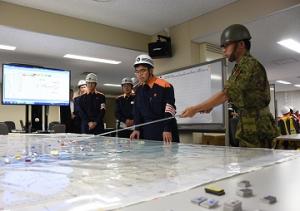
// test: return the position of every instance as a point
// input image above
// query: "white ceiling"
(281, 63)
(144, 16)
(48, 50)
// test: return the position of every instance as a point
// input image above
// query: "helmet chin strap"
(232, 56)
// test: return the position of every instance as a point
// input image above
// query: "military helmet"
(143, 59)
(81, 83)
(235, 32)
(91, 78)
(127, 81)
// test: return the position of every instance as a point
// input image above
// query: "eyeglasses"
(141, 71)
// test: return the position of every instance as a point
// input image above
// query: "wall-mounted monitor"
(32, 85)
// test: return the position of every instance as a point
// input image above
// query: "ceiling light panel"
(91, 59)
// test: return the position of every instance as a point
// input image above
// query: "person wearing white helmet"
(154, 100)
(291, 108)
(287, 125)
(285, 110)
(92, 107)
(297, 116)
(81, 87)
(76, 114)
(124, 107)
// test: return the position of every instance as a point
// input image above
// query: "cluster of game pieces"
(233, 205)
(245, 191)
(205, 202)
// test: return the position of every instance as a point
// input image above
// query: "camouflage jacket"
(248, 89)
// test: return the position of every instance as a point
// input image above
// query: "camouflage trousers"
(256, 129)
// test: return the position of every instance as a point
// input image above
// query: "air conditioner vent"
(85, 73)
(213, 48)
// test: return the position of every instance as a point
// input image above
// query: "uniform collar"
(92, 92)
(151, 81)
(244, 58)
(124, 95)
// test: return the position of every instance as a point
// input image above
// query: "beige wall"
(12, 113)
(54, 115)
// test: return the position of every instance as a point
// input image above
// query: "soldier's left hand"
(167, 137)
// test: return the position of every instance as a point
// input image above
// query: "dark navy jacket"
(66, 118)
(155, 100)
(124, 107)
(92, 109)
(77, 118)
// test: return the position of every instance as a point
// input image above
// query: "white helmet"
(81, 83)
(134, 81)
(143, 59)
(127, 81)
(91, 77)
(285, 110)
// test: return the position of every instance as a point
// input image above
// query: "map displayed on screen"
(31, 85)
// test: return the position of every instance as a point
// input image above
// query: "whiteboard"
(195, 84)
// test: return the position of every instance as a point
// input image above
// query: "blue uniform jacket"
(92, 109)
(124, 107)
(155, 100)
(77, 118)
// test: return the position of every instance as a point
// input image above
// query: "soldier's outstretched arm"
(206, 106)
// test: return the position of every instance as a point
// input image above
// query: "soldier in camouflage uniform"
(247, 88)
